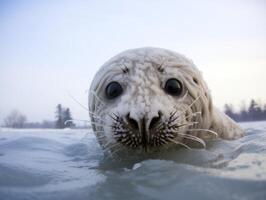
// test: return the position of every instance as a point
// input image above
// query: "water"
(69, 164)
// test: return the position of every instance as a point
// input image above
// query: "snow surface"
(69, 164)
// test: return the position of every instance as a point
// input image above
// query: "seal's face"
(148, 99)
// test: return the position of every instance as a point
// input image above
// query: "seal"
(151, 99)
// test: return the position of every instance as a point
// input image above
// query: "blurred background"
(50, 49)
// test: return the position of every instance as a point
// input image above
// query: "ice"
(69, 164)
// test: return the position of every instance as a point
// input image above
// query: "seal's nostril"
(133, 123)
(155, 121)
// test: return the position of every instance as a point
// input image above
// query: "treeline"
(254, 112)
(43, 124)
(15, 120)
(63, 119)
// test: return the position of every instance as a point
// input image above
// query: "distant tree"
(59, 117)
(254, 110)
(15, 120)
(251, 108)
(63, 117)
(264, 112)
(259, 111)
(67, 118)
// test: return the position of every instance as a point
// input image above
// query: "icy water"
(63, 164)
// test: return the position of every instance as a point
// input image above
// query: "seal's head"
(151, 98)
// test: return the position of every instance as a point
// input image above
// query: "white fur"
(143, 94)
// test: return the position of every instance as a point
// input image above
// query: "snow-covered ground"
(69, 164)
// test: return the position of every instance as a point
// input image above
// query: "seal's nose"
(144, 127)
(140, 124)
(132, 122)
(155, 121)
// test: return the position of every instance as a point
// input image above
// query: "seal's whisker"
(97, 97)
(179, 143)
(110, 146)
(112, 151)
(194, 138)
(185, 95)
(100, 135)
(181, 125)
(172, 117)
(97, 123)
(100, 124)
(79, 120)
(116, 150)
(206, 130)
(159, 126)
(74, 99)
(101, 138)
(194, 101)
(105, 146)
(99, 131)
(98, 107)
(115, 117)
(121, 131)
(193, 114)
(94, 115)
(172, 114)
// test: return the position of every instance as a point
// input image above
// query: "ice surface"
(69, 164)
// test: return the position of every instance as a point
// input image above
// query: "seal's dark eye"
(113, 90)
(173, 87)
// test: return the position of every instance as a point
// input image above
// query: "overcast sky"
(51, 48)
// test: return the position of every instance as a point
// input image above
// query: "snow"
(69, 164)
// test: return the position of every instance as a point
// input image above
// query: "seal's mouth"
(132, 134)
(176, 130)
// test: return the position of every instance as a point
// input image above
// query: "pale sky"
(51, 48)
